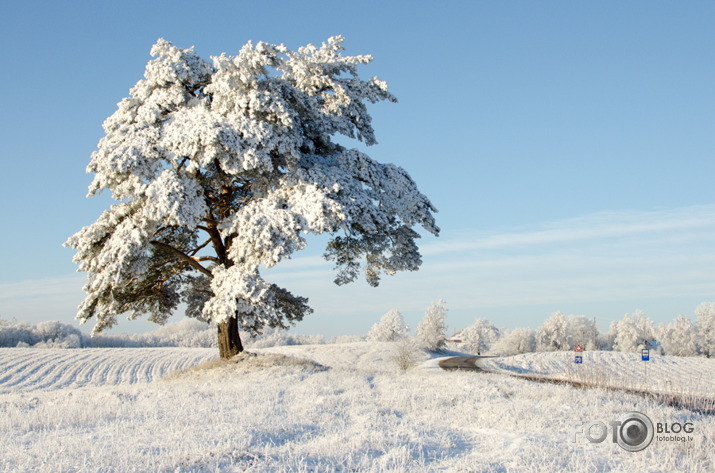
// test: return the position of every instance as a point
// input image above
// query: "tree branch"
(193, 262)
(215, 236)
(198, 248)
(209, 258)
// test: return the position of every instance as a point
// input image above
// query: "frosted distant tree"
(632, 332)
(389, 328)
(61, 334)
(432, 331)
(678, 337)
(705, 328)
(553, 335)
(220, 167)
(479, 337)
(605, 340)
(561, 332)
(581, 332)
(515, 342)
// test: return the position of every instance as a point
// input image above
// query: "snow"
(329, 407)
(670, 374)
(33, 369)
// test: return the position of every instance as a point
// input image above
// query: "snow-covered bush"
(479, 337)
(631, 332)
(405, 354)
(13, 333)
(432, 331)
(705, 327)
(515, 342)
(348, 339)
(391, 327)
(189, 333)
(678, 337)
(184, 333)
(54, 334)
(69, 341)
(277, 337)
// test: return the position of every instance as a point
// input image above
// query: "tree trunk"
(229, 341)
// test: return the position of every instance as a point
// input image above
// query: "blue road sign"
(645, 354)
(578, 360)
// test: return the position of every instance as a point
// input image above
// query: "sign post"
(645, 356)
(578, 358)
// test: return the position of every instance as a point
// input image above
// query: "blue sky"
(567, 145)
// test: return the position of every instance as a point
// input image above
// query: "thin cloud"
(42, 288)
(584, 262)
(634, 257)
(601, 225)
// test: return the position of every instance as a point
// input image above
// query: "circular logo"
(635, 431)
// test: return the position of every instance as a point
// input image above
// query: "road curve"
(460, 363)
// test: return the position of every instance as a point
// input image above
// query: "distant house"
(456, 338)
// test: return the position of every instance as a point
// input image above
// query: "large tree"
(220, 167)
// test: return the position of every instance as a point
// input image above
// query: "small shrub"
(405, 354)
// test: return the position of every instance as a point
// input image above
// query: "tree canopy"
(220, 167)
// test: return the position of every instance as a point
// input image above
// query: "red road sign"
(578, 349)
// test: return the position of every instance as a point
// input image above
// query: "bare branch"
(192, 261)
(198, 248)
(209, 258)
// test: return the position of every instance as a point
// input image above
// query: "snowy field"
(32, 369)
(664, 374)
(334, 407)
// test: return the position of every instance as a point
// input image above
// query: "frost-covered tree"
(432, 331)
(561, 332)
(55, 332)
(553, 335)
(220, 167)
(632, 332)
(389, 328)
(479, 337)
(581, 332)
(705, 328)
(515, 342)
(605, 340)
(678, 337)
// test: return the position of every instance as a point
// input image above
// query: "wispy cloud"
(42, 288)
(597, 226)
(661, 259)
(640, 258)
(42, 299)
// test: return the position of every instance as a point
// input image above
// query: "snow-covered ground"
(334, 407)
(32, 369)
